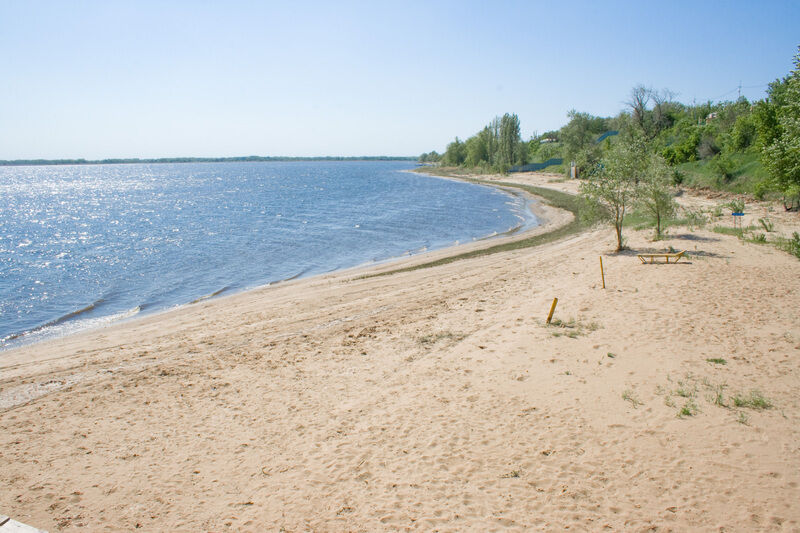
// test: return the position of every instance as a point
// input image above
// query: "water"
(82, 246)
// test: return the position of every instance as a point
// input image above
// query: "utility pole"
(740, 90)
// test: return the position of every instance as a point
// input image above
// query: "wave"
(60, 320)
(66, 324)
(212, 295)
(298, 275)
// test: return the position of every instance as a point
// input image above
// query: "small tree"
(653, 191)
(508, 153)
(615, 182)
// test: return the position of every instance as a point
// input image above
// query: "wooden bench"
(676, 256)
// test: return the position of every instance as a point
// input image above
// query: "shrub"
(761, 189)
(723, 167)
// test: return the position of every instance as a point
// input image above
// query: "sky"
(107, 79)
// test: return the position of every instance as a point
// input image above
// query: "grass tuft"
(718, 395)
(767, 224)
(629, 396)
(753, 400)
(688, 409)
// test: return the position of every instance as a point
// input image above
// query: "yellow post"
(602, 275)
(552, 310)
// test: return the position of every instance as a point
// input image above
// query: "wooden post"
(552, 310)
(602, 275)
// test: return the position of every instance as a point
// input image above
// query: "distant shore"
(244, 159)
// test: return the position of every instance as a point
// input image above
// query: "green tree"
(509, 152)
(614, 185)
(781, 155)
(653, 192)
(479, 149)
(578, 140)
(743, 134)
(430, 157)
(455, 155)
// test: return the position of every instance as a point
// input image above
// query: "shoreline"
(69, 326)
(549, 218)
(435, 399)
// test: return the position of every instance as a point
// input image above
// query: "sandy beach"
(434, 400)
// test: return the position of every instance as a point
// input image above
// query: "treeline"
(754, 146)
(32, 162)
(498, 146)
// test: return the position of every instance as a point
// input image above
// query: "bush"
(723, 167)
(708, 147)
(743, 134)
(683, 151)
(761, 189)
(736, 205)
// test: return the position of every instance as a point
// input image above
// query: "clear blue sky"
(100, 79)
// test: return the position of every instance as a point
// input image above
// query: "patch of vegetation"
(689, 409)
(694, 218)
(737, 232)
(738, 173)
(717, 361)
(753, 400)
(791, 246)
(441, 336)
(574, 328)
(629, 396)
(687, 388)
(718, 395)
(748, 234)
(736, 205)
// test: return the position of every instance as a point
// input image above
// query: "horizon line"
(192, 159)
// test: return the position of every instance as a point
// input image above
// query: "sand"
(433, 400)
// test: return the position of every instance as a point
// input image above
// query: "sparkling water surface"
(82, 246)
